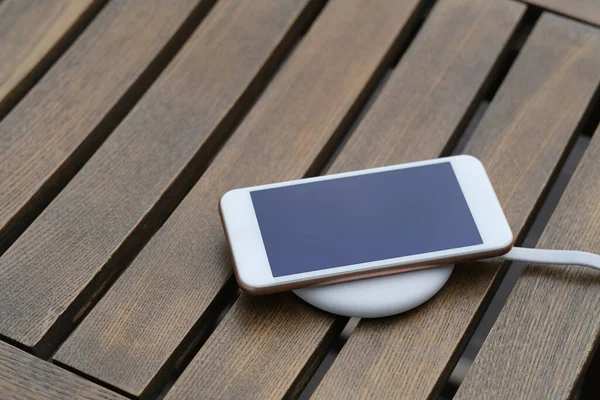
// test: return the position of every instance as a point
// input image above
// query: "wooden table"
(123, 122)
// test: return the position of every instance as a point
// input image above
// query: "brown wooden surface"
(95, 215)
(547, 331)
(23, 376)
(520, 140)
(585, 10)
(32, 34)
(93, 78)
(175, 279)
(65, 115)
(263, 349)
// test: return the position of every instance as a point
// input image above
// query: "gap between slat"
(559, 13)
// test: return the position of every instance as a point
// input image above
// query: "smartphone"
(335, 228)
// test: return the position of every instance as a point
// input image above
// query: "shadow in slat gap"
(455, 145)
(411, 33)
(330, 357)
(368, 95)
(96, 381)
(506, 59)
(590, 124)
(560, 14)
(590, 387)
(319, 166)
(20, 91)
(306, 375)
(160, 213)
(201, 337)
(63, 175)
(534, 228)
(501, 69)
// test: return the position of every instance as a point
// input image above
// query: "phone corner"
(226, 198)
(509, 245)
(505, 247)
(470, 159)
(249, 288)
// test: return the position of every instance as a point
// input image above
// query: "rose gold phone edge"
(350, 276)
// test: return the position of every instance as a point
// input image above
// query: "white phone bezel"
(251, 261)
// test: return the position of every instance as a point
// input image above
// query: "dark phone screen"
(358, 219)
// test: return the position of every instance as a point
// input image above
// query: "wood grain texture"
(520, 140)
(262, 348)
(546, 333)
(87, 229)
(585, 10)
(23, 376)
(32, 34)
(70, 110)
(156, 303)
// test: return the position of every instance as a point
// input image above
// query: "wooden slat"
(548, 329)
(585, 10)
(101, 216)
(174, 281)
(64, 117)
(268, 346)
(32, 35)
(23, 376)
(520, 140)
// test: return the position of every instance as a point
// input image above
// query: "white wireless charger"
(394, 294)
(378, 297)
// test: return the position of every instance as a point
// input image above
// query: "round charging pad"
(378, 297)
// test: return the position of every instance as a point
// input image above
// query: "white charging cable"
(544, 256)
